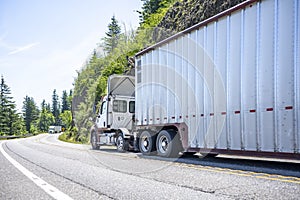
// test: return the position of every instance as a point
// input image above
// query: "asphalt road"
(42, 167)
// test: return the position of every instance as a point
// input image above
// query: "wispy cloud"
(23, 48)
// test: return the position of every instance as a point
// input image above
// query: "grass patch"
(67, 137)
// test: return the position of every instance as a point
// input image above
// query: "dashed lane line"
(49, 189)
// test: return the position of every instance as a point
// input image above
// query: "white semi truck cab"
(115, 119)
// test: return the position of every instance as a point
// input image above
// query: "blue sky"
(44, 42)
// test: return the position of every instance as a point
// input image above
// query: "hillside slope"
(186, 13)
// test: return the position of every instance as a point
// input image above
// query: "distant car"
(54, 129)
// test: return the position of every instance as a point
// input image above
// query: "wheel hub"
(145, 143)
(120, 141)
(163, 144)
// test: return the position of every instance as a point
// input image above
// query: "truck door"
(102, 116)
(121, 116)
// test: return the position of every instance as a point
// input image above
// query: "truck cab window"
(120, 106)
(131, 106)
(103, 108)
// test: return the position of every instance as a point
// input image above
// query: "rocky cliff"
(186, 13)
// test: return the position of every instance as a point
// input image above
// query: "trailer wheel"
(95, 146)
(167, 143)
(122, 144)
(147, 143)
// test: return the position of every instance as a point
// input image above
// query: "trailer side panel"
(234, 81)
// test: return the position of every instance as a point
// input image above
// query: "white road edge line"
(49, 189)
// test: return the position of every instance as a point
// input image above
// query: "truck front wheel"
(95, 146)
(167, 143)
(147, 143)
(122, 144)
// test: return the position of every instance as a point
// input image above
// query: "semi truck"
(230, 85)
(54, 129)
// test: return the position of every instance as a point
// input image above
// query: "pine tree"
(30, 113)
(46, 118)
(94, 57)
(149, 7)
(70, 97)
(64, 102)
(55, 108)
(112, 36)
(43, 104)
(48, 107)
(8, 114)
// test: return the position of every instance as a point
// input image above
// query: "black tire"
(167, 143)
(94, 141)
(121, 143)
(147, 143)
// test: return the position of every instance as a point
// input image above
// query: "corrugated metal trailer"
(233, 80)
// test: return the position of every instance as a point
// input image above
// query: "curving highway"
(42, 167)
